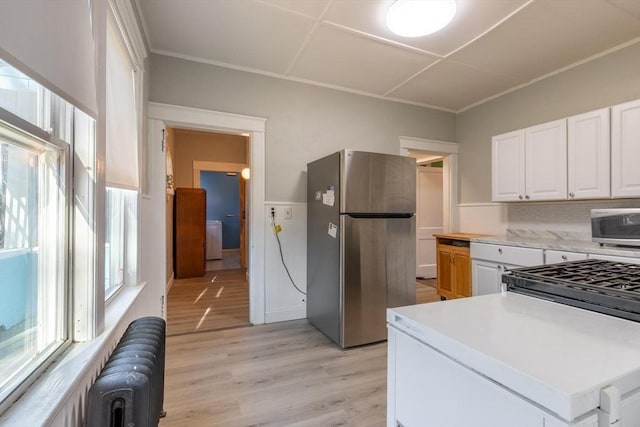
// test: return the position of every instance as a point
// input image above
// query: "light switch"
(288, 213)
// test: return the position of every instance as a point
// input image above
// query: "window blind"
(121, 121)
(52, 42)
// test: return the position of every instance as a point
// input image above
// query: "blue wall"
(223, 198)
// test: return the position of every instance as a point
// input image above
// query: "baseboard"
(283, 315)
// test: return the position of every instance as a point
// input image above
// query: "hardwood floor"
(281, 374)
(230, 260)
(218, 300)
(426, 291)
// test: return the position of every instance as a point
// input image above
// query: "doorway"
(225, 214)
(219, 297)
(161, 115)
(436, 199)
(429, 213)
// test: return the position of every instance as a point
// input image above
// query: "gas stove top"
(606, 287)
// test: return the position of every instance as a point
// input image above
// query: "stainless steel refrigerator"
(361, 247)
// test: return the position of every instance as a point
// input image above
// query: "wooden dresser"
(454, 264)
(189, 232)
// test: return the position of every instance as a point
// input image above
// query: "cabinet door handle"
(520, 197)
(499, 250)
(526, 197)
(571, 195)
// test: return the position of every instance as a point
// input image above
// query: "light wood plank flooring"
(426, 291)
(218, 300)
(281, 374)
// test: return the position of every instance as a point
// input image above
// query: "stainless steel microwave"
(616, 226)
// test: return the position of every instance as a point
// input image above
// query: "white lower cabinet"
(489, 262)
(487, 276)
(427, 388)
(554, 257)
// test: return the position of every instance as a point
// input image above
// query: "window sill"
(73, 370)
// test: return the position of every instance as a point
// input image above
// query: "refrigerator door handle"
(379, 215)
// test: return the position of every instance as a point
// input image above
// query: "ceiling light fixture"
(417, 18)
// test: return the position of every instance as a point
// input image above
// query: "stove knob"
(564, 257)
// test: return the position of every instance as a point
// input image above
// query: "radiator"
(130, 388)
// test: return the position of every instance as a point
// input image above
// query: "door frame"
(216, 121)
(449, 151)
(430, 230)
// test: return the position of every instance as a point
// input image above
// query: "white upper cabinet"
(588, 155)
(507, 179)
(530, 164)
(625, 149)
(546, 161)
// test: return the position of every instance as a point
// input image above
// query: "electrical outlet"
(288, 213)
(273, 212)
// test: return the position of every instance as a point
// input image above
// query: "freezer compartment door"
(379, 271)
(377, 183)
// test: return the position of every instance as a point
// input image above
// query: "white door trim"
(449, 174)
(195, 118)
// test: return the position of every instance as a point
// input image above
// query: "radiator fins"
(129, 391)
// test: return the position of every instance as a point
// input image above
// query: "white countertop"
(555, 355)
(585, 246)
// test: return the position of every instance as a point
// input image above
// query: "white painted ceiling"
(491, 46)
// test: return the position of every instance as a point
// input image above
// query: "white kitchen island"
(511, 360)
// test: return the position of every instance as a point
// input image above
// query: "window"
(38, 131)
(33, 252)
(119, 254)
(121, 164)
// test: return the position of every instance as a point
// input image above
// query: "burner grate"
(605, 286)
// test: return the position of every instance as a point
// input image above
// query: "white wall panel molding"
(282, 300)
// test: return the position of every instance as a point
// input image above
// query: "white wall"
(304, 122)
(282, 301)
(483, 218)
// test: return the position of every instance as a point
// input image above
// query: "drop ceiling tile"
(472, 18)
(452, 86)
(242, 33)
(345, 59)
(548, 35)
(630, 6)
(312, 8)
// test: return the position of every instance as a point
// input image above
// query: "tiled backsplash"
(564, 220)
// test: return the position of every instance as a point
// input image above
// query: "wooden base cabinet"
(454, 265)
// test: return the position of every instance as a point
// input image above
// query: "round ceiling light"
(417, 18)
